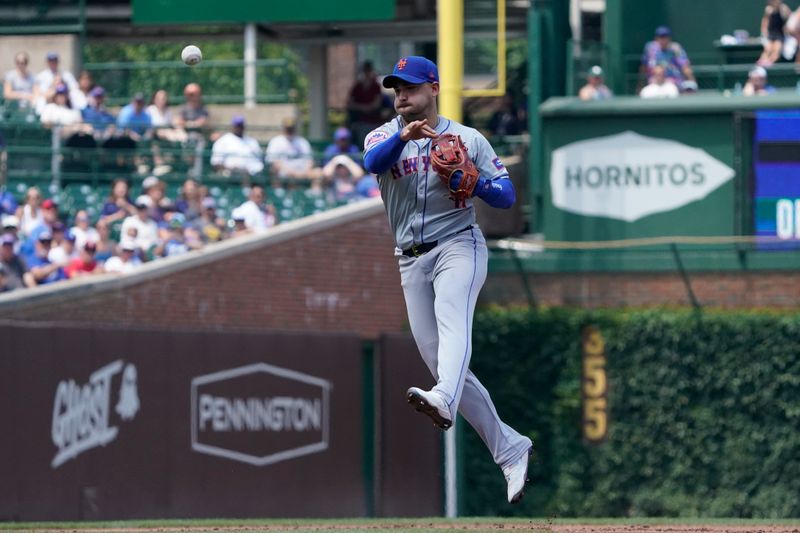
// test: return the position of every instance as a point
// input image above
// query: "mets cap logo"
(402, 64)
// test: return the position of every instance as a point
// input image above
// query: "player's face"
(414, 102)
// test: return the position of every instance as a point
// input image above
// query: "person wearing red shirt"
(85, 263)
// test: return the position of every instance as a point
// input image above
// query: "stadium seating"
(77, 173)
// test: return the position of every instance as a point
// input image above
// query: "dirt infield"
(647, 528)
(533, 526)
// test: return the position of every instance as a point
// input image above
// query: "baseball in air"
(191, 55)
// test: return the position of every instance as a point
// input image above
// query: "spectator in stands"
(83, 230)
(106, 246)
(365, 102)
(59, 112)
(289, 154)
(237, 153)
(85, 264)
(17, 275)
(341, 176)
(11, 227)
(192, 236)
(62, 249)
(757, 83)
(154, 196)
(664, 52)
(145, 236)
(162, 119)
(210, 225)
(126, 262)
(49, 212)
(776, 15)
(30, 213)
(118, 205)
(660, 86)
(193, 115)
(193, 118)
(342, 144)
(368, 187)
(509, 119)
(133, 120)
(18, 86)
(257, 214)
(48, 80)
(793, 29)
(175, 243)
(159, 111)
(81, 96)
(190, 201)
(4, 287)
(96, 115)
(595, 88)
(42, 269)
(8, 203)
(239, 225)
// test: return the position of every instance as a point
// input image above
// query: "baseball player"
(428, 179)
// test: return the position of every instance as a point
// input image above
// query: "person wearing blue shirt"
(342, 144)
(133, 117)
(49, 217)
(95, 114)
(8, 203)
(43, 270)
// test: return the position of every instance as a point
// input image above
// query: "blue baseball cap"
(663, 31)
(413, 70)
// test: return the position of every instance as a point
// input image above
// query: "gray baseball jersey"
(441, 286)
(416, 200)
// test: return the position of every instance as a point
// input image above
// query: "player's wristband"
(498, 193)
(380, 158)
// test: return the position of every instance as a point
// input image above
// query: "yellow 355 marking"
(594, 386)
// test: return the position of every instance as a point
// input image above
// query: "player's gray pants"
(441, 288)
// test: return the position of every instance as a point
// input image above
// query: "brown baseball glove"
(451, 162)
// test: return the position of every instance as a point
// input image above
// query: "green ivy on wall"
(704, 413)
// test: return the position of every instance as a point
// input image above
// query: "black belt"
(417, 250)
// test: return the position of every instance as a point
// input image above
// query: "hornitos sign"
(629, 176)
(259, 414)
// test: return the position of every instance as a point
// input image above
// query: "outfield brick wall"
(342, 278)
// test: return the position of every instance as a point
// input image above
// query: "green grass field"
(401, 525)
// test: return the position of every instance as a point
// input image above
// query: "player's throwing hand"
(417, 130)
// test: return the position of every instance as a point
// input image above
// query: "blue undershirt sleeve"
(496, 192)
(379, 159)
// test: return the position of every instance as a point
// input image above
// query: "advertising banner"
(629, 176)
(115, 424)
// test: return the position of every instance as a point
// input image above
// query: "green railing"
(222, 81)
(711, 74)
(44, 17)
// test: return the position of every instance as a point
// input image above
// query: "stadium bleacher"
(79, 177)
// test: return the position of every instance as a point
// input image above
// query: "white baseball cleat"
(431, 404)
(516, 475)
